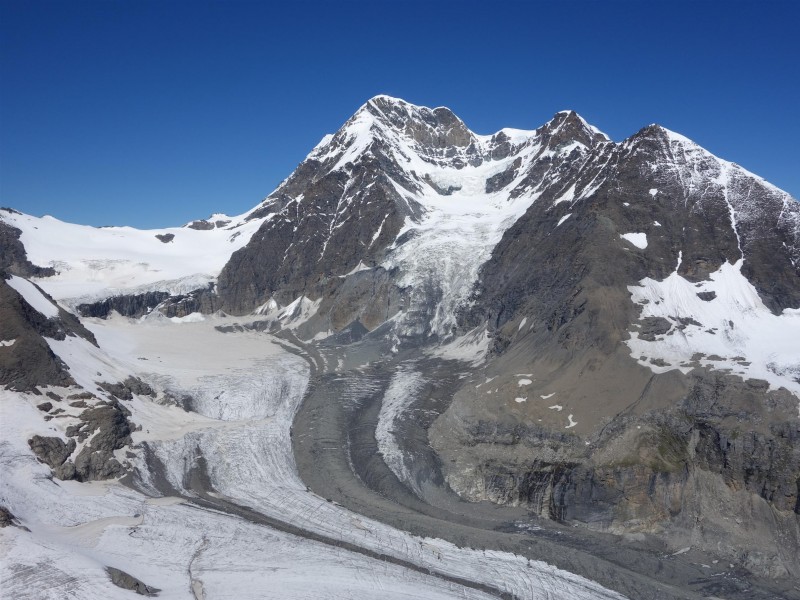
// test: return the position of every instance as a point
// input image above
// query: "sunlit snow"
(733, 331)
(96, 262)
(637, 239)
(33, 296)
(564, 218)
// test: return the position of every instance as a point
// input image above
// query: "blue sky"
(155, 113)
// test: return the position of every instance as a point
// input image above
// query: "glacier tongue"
(76, 530)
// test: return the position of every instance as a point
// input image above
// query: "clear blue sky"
(154, 113)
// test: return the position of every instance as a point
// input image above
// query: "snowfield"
(97, 262)
(732, 331)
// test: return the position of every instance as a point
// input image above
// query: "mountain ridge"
(616, 320)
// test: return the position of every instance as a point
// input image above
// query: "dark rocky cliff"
(27, 361)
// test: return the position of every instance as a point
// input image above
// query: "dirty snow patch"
(194, 317)
(403, 390)
(470, 347)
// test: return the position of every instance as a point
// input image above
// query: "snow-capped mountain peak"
(438, 127)
(405, 132)
(567, 126)
(634, 305)
(388, 124)
(396, 171)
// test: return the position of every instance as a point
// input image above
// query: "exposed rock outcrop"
(126, 389)
(106, 427)
(29, 362)
(718, 471)
(137, 305)
(52, 451)
(134, 306)
(129, 582)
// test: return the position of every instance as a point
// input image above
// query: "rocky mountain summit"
(616, 324)
(396, 182)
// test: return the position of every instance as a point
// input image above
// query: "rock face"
(717, 471)
(126, 389)
(326, 221)
(106, 427)
(51, 450)
(6, 518)
(129, 582)
(134, 305)
(137, 305)
(26, 361)
(110, 430)
(13, 258)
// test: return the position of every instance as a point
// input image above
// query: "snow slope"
(732, 331)
(94, 263)
(33, 296)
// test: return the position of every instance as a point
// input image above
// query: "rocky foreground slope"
(619, 320)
